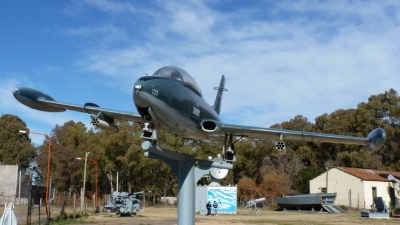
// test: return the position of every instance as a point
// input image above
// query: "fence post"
(40, 201)
(74, 204)
(28, 220)
(99, 206)
(94, 203)
(81, 202)
(19, 188)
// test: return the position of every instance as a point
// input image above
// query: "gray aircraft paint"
(176, 105)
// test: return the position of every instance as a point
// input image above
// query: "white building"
(356, 187)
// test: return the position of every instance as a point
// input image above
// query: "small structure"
(226, 198)
(378, 211)
(309, 202)
(356, 187)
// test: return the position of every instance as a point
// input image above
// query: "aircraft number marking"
(154, 92)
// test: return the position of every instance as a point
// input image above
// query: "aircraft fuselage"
(173, 105)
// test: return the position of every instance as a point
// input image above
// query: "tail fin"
(218, 99)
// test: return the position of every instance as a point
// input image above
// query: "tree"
(69, 141)
(286, 166)
(250, 154)
(382, 110)
(302, 183)
(274, 185)
(121, 153)
(161, 175)
(340, 122)
(360, 159)
(15, 147)
(394, 135)
(247, 189)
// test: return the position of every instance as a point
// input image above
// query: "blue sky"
(280, 58)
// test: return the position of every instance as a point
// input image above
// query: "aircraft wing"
(40, 101)
(374, 140)
(277, 134)
(94, 109)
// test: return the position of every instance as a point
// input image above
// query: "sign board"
(226, 197)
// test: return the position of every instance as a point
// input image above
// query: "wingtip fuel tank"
(376, 139)
(30, 97)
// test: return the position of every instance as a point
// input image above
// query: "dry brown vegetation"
(168, 216)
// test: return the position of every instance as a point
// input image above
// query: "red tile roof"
(368, 174)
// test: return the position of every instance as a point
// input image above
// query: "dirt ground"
(168, 216)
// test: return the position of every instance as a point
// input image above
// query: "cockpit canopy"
(176, 73)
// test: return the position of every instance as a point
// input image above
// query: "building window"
(323, 190)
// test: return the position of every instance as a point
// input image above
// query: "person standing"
(208, 208)
(215, 205)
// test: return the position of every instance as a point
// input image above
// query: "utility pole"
(84, 182)
(327, 169)
(97, 178)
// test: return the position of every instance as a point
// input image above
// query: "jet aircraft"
(171, 100)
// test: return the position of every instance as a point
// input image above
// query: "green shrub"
(345, 208)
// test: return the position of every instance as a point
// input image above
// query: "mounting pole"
(184, 166)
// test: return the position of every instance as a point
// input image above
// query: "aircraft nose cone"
(15, 92)
(139, 94)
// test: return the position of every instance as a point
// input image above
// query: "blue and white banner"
(225, 197)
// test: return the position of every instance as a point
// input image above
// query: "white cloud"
(280, 58)
(303, 58)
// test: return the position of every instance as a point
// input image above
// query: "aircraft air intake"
(210, 125)
(98, 123)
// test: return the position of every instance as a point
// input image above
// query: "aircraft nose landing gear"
(149, 132)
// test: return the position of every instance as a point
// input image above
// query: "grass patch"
(76, 221)
(68, 219)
